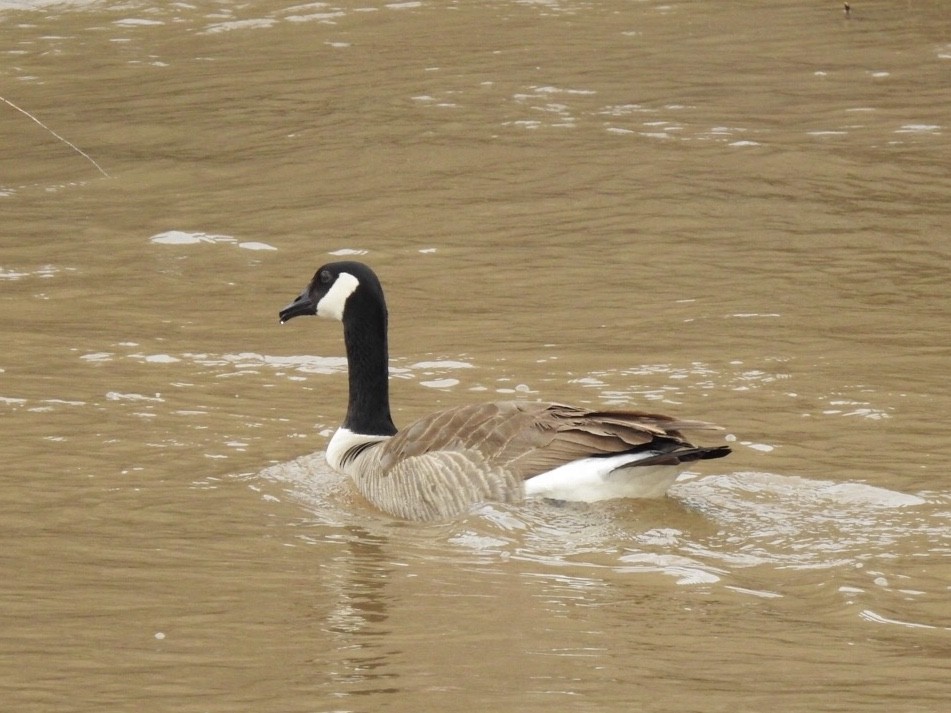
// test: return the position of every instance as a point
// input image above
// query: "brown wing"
(526, 438)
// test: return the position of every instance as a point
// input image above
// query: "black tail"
(708, 453)
(684, 455)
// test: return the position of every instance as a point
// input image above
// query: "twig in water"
(71, 145)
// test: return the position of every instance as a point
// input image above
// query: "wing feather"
(527, 438)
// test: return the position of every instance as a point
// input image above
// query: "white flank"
(591, 479)
(341, 443)
(332, 304)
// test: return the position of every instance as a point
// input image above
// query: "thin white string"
(73, 146)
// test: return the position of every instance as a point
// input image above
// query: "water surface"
(732, 211)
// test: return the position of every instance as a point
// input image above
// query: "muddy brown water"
(735, 211)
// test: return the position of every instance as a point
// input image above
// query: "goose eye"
(325, 277)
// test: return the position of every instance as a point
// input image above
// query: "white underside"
(343, 440)
(605, 478)
(586, 480)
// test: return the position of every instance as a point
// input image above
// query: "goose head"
(337, 291)
(350, 292)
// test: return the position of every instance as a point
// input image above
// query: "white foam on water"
(161, 359)
(231, 25)
(877, 618)
(119, 396)
(918, 129)
(439, 383)
(182, 237)
(444, 364)
(136, 22)
(685, 569)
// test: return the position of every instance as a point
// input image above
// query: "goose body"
(504, 451)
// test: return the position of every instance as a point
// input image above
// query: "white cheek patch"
(332, 304)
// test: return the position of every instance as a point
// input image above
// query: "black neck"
(364, 332)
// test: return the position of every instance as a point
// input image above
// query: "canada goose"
(445, 463)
